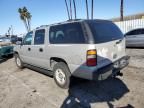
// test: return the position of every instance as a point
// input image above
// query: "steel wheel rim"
(60, 76)
(18, 61)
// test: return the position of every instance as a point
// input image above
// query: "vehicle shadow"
(85, 93)
(5, 58)
(82, 94)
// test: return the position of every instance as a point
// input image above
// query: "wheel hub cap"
(18, 62)
(60, 76)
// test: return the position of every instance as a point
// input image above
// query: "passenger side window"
(28, 39)
(39, 37)
(67, 34)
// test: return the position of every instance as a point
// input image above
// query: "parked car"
(89, 49)
(135, 38)
(6, 48)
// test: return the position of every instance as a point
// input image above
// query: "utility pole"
(11, 30)
(122, 10)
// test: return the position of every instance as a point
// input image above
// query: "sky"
(46, 12)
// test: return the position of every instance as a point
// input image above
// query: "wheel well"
(55, 60)
(15, 52)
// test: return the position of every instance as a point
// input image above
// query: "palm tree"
(92, 8)
(67, 9)
(29, 20)
(122, 10)
(75, 9)
(25, 16)
(87, 9)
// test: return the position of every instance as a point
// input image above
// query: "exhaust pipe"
(119, 74)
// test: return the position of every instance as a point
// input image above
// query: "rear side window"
(66, 34)
(105, 31)
(39, 37)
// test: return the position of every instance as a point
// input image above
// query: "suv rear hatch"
(109, 42)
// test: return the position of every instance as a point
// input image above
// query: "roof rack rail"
(43, 25)
(73, 19)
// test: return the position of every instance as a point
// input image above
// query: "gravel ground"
(29, 89)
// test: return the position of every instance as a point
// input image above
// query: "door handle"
(29, 49)
(40, 50)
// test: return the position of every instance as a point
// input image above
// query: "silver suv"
(89, 49)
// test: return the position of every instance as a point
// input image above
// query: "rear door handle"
(29, 49)
(40, 50)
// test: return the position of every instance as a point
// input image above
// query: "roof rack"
(59, 23)
(43, 25)
(74, 20)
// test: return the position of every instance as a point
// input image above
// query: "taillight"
(91, 58)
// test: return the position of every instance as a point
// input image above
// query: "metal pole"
(75, 9)
(67, 9)
(121, 10)
(87, 9)
(92, 11)
(71, 9)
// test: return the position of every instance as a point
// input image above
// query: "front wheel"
(62, 75)
(18, 61)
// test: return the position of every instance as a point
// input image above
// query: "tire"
(62, 75)
(18, 61)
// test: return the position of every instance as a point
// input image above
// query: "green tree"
(25, 16)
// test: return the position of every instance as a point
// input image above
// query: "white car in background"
(135, 38)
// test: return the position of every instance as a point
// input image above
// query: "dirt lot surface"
(29, 89)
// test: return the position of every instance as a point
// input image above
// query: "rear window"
(66, 34)
(105, 31)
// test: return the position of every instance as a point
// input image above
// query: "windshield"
(105, 31)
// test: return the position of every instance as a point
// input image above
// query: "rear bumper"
(112, 69)
(102, 73)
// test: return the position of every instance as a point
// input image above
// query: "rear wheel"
(18, 61)
(62, 75)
